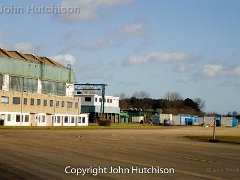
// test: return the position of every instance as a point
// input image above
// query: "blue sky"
(189, 47)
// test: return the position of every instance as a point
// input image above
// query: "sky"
(189, 47)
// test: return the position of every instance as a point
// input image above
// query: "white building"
(91, 103)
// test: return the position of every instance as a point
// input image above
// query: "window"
(69, 104)
(44, 102)
(31, 101)
(5, 100)
(72, 119)
(88, 99)
(18, 118)
(63, 103)
(83, 119)
(38, 102)
(26, 118)
(16, 100)
(110, 100)
(43, 119)
(65, 119)
(100, 99)
(51, 103)
(107, 100)
(25, 101)
(79, 120)
(76, 104)
(1, 81)
(58, 119)
(95, 99)
(57, 103)
(9, 117)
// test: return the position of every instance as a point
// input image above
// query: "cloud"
(160, 57)
(184, 79)
(65, 59)
(185, 68)
(88, 8)
(134, 28)
(26, 47)
(115, 37)
(220, 70)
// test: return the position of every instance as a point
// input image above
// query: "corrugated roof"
(28, 57)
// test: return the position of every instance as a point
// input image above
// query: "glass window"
(63, 103)
(56, 88)
(18, 118)
(44, 102)
(88, 99)
(72, 119)
(9, 117)
(25, 101)
(1, 81)
(79, 120)
(23, 84)
(5, 100)
(100, 99)
(66, 119)
(16, 100)
(26, 118)
(107, 100)
(95, 99)
(110, 100)
(69, 104)
(76, 104)
(83, 119)
(58, 119)
(51, 103)
(38, 102)
(31, 101)
(43, 118)
(57, 103)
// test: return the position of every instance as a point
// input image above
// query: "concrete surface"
(44, 154)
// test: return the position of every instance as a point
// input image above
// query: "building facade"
(91, 103)
(37, 91)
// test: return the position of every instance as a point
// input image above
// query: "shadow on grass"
(220, 139)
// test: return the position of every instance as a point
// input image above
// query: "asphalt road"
(45, 154)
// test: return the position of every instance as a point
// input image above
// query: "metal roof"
(28, 57)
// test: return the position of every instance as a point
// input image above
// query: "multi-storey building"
(91, 103)
(37, 91)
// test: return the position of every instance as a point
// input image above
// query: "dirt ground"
(60, 154)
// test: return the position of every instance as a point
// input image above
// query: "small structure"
(124, 117)
(162, 119)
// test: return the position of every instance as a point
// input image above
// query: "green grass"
(226, 139)
(91, 126)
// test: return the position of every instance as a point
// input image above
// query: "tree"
(189, 102)
(200, 102)
(141, 95)
(173, 96)
(173, 99)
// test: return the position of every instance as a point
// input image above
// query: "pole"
(214, 127)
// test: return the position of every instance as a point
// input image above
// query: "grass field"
(226, 139)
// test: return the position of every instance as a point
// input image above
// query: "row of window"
(42, 118)
(38, 102)
(89, 99)
(25, 84)
(71, 120)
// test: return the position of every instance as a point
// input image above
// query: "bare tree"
(141, 95)
(173, 96)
